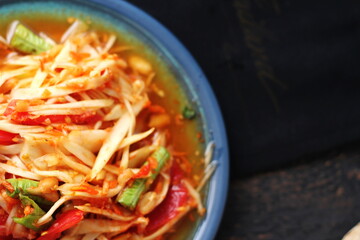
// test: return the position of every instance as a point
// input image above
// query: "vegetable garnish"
(23, 39)
(30, 219)
(65, 221)
(21, 186)
(7, 138)
(89, 142)
(189, 113)
(177, 197)
(130, 196)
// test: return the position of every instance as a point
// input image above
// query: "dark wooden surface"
(316, 200)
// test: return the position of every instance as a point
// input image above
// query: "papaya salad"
(84, 151)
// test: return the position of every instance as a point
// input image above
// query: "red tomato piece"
(6, 138)
(177, 174)
(176, 197)
(65, 221)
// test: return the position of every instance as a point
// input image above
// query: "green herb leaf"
(21, 186)
(189, 113)
(24, 40)
(30, 220)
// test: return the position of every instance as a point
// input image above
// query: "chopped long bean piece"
(131, 195)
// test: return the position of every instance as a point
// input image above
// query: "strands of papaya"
(81, 144)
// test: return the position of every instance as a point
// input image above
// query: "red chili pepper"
(65, 221)
(143, 172)
(153, 163)
(156, 109)
(6, 138)
(176, 197)
(85, 188)
(147, 168)
(29, 119)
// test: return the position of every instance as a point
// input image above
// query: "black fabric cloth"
(286, 72)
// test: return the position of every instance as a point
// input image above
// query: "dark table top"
(287, 78)
(318, 199)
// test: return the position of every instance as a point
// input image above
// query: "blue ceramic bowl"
(130, 20)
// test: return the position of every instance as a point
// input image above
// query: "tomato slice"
(29, 119)
(176, 173)
(65, 221)
(6, 138)
(176, 197)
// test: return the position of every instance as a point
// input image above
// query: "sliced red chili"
(143, 172)
(85, 188)
(26, 118)
(65, 221)
(7, 138)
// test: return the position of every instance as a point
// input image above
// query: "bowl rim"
(218, 186)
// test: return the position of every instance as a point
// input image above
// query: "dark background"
(285, 73)
(287, 77)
